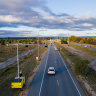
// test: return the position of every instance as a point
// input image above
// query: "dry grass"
(84, 49)
(10, 51)
(27, 64)
(68, 56)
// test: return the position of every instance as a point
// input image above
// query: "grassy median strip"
(87, 50)
(7, 52)
(27, 64)
(72, 59)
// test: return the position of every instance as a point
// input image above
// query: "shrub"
(2, 42)
(35, 41)
(81, 67)
(63, 41)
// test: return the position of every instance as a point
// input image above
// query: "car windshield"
(51, 69)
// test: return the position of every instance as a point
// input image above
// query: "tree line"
(82, 40)
(23, 41)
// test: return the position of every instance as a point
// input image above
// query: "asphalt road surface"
(13, 59)
(61, 84)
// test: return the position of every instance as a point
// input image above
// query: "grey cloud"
(16, 7)
(46, 9)
(63, 14)
(29, 17)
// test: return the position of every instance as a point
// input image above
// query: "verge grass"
(71, 59)
(27, 64)
(87, 50)
(7, 52)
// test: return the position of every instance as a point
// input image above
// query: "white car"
(55, 48)
(85, 45)
(51, 70)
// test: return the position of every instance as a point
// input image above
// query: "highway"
(62, 84)
(13, 59)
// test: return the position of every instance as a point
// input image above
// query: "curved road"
(61, 84)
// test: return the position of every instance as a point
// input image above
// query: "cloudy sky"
(21, 18)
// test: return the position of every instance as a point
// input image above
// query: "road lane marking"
(58, 82)
(70, 74)
(44, 73)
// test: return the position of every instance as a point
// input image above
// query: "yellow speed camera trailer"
(17, 83)
(22, 77)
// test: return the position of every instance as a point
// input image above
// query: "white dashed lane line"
(57, 82)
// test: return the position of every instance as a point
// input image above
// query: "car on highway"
(51, 70)
(85, 46)
(46, 45)
(55, 48)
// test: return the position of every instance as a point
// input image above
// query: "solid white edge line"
(70, 75)
(44, 73)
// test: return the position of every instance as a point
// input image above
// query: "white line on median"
(44, 73)
(70, 75)
(58, 82)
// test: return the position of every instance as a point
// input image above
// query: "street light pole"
(17, 61)
(68, 38)
(38, 45)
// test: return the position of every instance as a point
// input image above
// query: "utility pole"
(18, 60)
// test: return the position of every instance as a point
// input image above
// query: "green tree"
(35, 41)
(2, 42)
(81, 41)
(63, 41)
